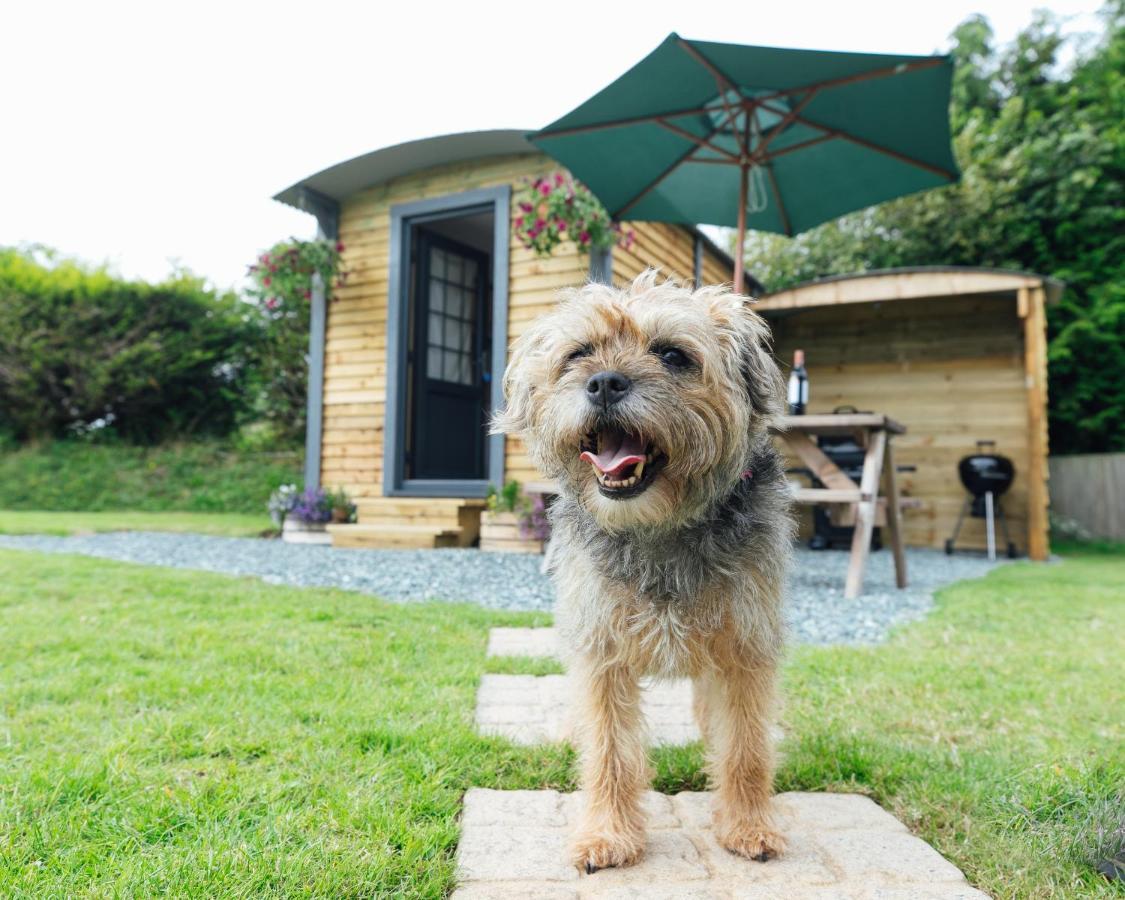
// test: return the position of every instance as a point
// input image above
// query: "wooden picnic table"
(874, 432)
(871, 430)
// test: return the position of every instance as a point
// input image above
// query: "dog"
(649, 406)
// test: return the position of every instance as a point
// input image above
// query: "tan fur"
(723, 629)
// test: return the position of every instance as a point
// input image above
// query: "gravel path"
(816, 607)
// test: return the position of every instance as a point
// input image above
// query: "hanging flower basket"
(556, 208)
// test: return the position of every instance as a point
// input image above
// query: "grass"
(175, 732)
(63, 523)
(206, 476)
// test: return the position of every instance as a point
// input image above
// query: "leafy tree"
(1043, 161)
(83, 351)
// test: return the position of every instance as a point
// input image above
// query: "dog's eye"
(673, 357)
(578, 354)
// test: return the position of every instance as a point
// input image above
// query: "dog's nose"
(607, 388)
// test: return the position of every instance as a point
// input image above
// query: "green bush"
(207, 476)
(82, 351)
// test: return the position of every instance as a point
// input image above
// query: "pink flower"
(308, 295)
(540, 224)
(559, 179)
(584, 237)
(560, 224)
(266, 281)
(339, 246)
(264, 258)
(519, 221)
(525, 207)
(272, 303)
(545, 189)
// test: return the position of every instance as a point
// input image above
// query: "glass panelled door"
(450, 356)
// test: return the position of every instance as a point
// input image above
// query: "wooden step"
(412, 522)
(393, 537)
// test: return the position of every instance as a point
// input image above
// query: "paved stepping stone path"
(530, 709)
(514, 843)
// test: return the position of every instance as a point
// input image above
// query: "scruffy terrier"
(649, 406)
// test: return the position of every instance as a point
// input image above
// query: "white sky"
(144, 134)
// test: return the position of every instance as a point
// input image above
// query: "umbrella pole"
(740, 240)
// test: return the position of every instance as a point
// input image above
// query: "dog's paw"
(604, 851)
(753, 842)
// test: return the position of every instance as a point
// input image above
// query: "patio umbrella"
(759, 137)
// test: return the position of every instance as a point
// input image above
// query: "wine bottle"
(798, 385)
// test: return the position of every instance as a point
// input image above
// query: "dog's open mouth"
(624, 464)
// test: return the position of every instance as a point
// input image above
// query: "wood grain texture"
(953, 371)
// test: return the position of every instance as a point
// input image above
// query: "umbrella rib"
(702, 142)
(785, 223)
(723, 83)
(788, 120)
(793, 147)
(899, 69)
(620, 211)
(863, 142)
(621, 123)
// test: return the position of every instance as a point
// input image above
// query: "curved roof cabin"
(407, 358)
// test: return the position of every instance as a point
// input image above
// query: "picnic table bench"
(874, 432)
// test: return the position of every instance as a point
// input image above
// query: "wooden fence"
(1090, 489)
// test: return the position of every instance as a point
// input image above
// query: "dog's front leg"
(739, 700)
(615, 770)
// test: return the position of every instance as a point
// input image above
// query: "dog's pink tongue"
(618, 451)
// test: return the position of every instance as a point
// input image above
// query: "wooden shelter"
(956, 355)
(406, 360)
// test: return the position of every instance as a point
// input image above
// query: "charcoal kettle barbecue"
(986, 476)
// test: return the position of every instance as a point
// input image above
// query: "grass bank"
(206, 477)
(237, 739)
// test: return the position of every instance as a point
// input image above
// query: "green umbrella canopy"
(804, 135)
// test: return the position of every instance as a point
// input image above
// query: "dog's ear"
(749, 335)
(763, 379)
(519, 384)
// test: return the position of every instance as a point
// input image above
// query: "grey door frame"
(404, 216)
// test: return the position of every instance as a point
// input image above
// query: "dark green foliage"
(82, 351)
(195, 477)
(281, 286)
(1043, 157)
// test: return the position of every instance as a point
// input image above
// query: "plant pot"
(341, 515)
(500, 531)
(294, 531)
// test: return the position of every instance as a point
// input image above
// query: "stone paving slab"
(524, 642)
(841, 846)
(531, 709)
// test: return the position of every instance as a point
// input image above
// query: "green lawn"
(174, 732)
(40, 522)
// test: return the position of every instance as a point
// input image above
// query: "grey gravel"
(817, 610)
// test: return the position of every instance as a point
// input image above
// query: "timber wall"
(355, 375)
(951, 369)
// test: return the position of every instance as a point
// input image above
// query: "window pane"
(437, 291)
(449, 372)
(435, 329)
(453, 269)
(437, 263)
(433, 363)
(457, 302)
(470, 276)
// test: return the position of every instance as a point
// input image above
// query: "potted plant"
(303, 516)
(514, 522)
